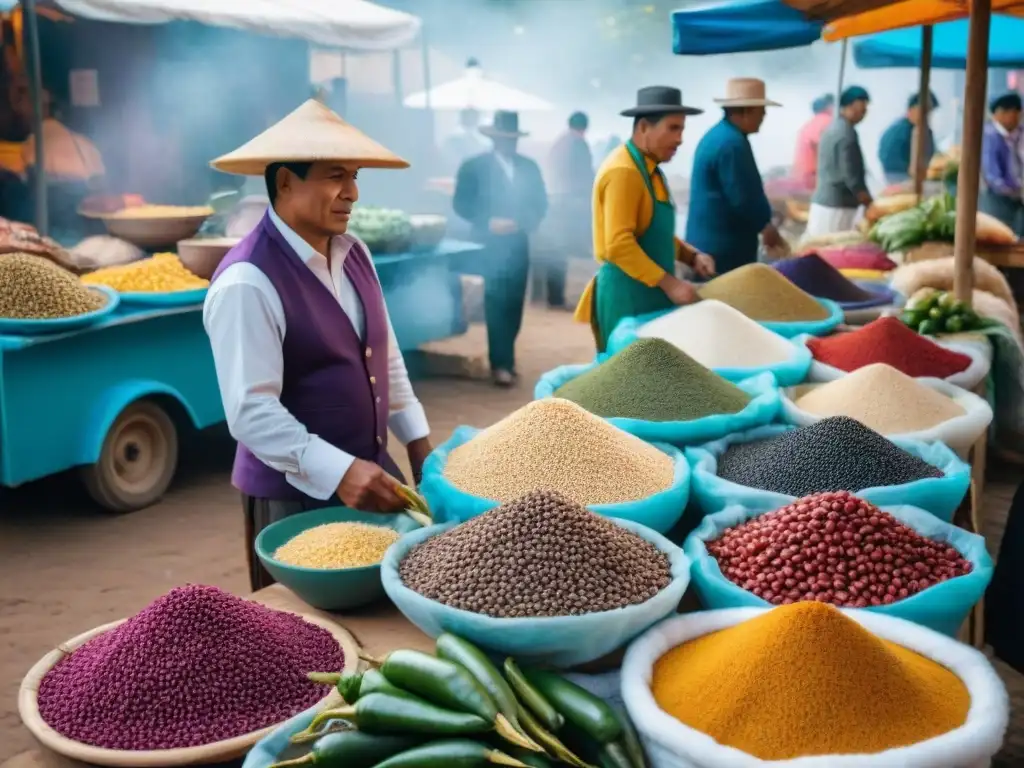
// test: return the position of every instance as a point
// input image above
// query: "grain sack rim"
(536, 628)
(954, 432)
(979, 738)
(969, 378)
(765, 403)
(32, 326)
(822, 327)
(220, 751)
(703, 480)
(707, 571)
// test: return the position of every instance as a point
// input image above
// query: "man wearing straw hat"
(635, 221)
(308, 367)
(729, 210)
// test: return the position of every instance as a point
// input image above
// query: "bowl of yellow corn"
(160, 280)
(331, 557)
(153, 226)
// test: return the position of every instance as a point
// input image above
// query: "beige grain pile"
(337, 545)
(34, 288)
(764, 294)
(882, 398)
(556, 445)
(718, 336)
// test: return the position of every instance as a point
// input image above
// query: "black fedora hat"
(659, 100)
(506, 124)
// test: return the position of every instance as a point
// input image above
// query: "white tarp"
(353, 24)
(474, 91)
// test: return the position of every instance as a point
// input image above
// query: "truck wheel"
(137, 461)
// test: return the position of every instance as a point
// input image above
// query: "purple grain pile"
(196, 666)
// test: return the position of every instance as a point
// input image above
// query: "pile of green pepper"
(457, 710)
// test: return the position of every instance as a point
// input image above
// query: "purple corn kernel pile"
(196, 666)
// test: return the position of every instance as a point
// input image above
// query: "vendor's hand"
(367, 487)
(418, 451)
(679, 291)
(502, 226)
(703, 265)
(770, 237)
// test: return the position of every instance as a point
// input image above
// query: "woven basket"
(221, 751)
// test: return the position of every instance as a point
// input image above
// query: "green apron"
(616, 294)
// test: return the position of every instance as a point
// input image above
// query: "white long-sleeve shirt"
(245, 321)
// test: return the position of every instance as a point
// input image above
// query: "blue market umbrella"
(902, 47)
(741, 26)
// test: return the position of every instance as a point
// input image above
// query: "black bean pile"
(834, 454)
(539, 555)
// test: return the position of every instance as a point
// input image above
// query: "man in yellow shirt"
(635, 219)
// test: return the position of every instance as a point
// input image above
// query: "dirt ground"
(66, 566)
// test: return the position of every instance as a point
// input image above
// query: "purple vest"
(335, 384)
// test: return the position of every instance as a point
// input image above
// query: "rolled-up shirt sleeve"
(245, 323)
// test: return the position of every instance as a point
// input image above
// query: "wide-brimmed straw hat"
(310, 133)
(659, 100)
(746, 92)
(505, 125)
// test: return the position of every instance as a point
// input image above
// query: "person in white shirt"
(309, 370)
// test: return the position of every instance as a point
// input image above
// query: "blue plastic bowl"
(329, 589)
(33, 327)
(562, 642)
(156, 299)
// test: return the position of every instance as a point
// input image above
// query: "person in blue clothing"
(896, 147)
(729, 210)
(1002, 163)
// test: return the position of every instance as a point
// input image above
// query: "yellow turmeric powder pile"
(803, 679)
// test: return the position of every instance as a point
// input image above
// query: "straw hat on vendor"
(632, 198)
(306, 360)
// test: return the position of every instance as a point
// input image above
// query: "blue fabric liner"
(788, 373)
(902, 47)
(883, 296)
(737, 27)
(810, 327)
(449, 504)
(273, 747)
(558, 641)
(942, 607)
(761, 410)
(939, 495)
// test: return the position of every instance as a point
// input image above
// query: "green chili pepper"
(631, 741)
(475, 661)
(338, 726)
(451, 753)
(549, 741)
(347, 685)
(386, 713)
(614, 755)
(447, 685)
(351, 749)
(578, 705)
(531, 698)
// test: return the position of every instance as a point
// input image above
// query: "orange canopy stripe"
(911, 13)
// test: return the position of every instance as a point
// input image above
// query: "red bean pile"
(196, 666)
(833, 548)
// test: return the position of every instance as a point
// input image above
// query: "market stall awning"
(353, 24)
(902, 47)
(741, 26)
(912, 13)
(476, 91)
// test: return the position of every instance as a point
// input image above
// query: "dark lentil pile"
(540, 555)
(834, 454)
(196, 666)
(654, 380)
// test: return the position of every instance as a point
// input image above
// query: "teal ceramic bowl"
(334, 589)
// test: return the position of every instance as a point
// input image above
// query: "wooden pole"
(924, 100)
(35, 80)
(969, 176)
(842, 76)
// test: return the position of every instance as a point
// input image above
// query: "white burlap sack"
(959, 433)
(671, 744)
(975, 373)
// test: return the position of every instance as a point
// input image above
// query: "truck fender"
(107, 408)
